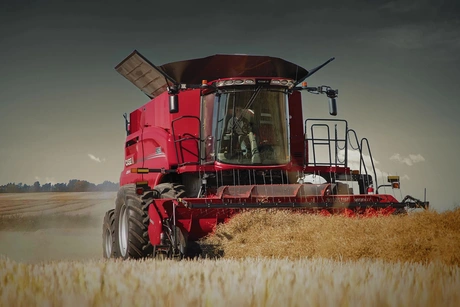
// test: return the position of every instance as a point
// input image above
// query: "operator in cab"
(240, 125)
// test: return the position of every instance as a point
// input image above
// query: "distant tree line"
(74, 185)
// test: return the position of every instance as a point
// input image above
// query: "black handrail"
(358, 147)
(362, 163)
(350, 134)
(326, 141)
(313, 143)
(189, 137)
(370, 157)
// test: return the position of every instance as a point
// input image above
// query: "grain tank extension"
(225, 133)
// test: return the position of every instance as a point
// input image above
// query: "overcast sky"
(396, 68)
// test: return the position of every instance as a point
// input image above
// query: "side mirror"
(332, 106)
(126, 123)
(173, 103)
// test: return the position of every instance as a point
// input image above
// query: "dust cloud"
(37, 227)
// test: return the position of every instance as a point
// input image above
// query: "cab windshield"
(251, 127)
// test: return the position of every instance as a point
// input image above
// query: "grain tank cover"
(143, 74)
(152, 80)
(226, 66)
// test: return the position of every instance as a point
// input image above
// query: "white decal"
(129, 161)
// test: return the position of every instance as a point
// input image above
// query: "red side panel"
(134, 121)
(157, 140)
(159, 147)
(155, 225)
(133, 158)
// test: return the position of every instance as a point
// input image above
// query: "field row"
(32, 204)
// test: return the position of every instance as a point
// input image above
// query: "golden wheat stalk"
(229, 282)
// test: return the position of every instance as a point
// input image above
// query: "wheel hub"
(123, 230)
(108, 242)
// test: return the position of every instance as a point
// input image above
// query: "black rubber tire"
(137, 242)
(108, 234)
(170, 190)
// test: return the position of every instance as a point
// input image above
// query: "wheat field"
(54, 258)
(417, 237)
(229, 282)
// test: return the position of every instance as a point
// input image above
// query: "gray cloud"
(94, 158)
(409, 160)
(423, 10)
(412, 36)
(406, 177)
(400, 6)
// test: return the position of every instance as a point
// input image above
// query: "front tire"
(131, 225)
(170, 190)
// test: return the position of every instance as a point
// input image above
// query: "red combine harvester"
(225, 133)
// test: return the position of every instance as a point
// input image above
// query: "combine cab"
(223, 134)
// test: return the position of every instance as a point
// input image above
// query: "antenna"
(312, 71)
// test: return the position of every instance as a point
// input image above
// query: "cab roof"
(152, 80)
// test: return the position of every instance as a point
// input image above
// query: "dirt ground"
(37, 227)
